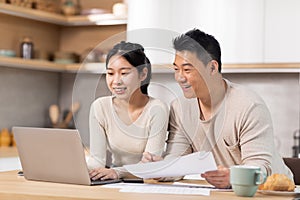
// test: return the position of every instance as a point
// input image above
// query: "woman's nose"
(117, 80)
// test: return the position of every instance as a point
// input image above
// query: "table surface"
(13, 187)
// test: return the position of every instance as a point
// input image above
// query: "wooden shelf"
(58, 19)
(99, 68)
(31, 64)
(262, 68)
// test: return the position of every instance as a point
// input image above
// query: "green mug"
(245, 179)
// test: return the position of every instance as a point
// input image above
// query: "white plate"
(281, 193)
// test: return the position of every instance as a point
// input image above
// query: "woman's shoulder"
(157, 102)
(105, 99)
(102, 102)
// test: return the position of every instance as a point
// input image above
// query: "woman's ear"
(143, 74)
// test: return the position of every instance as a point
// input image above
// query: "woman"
(129, 122)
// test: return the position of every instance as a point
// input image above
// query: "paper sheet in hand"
(195, 163)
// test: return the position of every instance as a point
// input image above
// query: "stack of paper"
(195, 163)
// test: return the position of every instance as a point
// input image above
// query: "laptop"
(53, 155)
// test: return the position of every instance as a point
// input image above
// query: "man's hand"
(148, 157)
(103, 174)
(218, 178)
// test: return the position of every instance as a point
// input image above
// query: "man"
(217, 115)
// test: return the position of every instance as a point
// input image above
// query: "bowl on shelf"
(7, 53)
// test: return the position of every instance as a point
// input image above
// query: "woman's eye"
(109, 73)
(125, 72)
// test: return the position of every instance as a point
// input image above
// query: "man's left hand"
(218, 178)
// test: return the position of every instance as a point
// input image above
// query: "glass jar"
(26, 48)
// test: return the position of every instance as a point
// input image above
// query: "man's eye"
(187, 69)
(109, 73)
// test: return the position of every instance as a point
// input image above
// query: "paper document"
(193, 177)
(164, 189)
(195, 163)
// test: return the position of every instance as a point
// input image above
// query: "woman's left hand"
(218, 178)
(103, 174)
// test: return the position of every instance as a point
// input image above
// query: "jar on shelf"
(26, 48)
(5, 138)
(70, 7)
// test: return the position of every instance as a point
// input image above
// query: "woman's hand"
(103, 174)
(218, 178)
(148, 157)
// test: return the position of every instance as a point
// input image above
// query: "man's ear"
(214, 67)
(143, 74)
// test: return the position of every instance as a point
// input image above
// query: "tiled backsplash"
(280, 91)
(27, 94)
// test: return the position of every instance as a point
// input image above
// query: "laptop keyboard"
(103, 182)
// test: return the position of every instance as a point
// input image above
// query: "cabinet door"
(237, 25)
(239, 28)
(282, 32)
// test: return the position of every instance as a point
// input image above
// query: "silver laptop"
(53, 155)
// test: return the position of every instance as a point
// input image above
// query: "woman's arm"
(177, 143)
(98, 140)
(158, 129)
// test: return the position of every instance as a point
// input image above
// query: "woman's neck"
(130, 110)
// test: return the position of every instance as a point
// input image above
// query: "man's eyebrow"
(185, 64)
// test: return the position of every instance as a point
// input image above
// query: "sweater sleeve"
(158, 129)
(256, 138)
(98, 141)
(177, 142)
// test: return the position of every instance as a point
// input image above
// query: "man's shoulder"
(183, 102)
(242, 93)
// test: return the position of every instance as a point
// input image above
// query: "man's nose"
(180, 77)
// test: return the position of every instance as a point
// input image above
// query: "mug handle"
(260, 177)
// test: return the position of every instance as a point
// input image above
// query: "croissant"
(278, 182)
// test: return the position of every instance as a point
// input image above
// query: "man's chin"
(189, 95)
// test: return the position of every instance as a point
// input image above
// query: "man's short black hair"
(204, 45)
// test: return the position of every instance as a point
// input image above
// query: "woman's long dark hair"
(135, 55)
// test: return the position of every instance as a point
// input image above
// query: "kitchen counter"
(6, 152)
(9, 159)
(14, 187)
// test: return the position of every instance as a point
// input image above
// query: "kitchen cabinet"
(28, 87)
(282, 30)
(235, 24)
(253, 33)
(77, 33)
(53, 32)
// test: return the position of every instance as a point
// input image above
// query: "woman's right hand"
(148, 157)
(103, 174)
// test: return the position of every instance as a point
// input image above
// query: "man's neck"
(209, 105)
